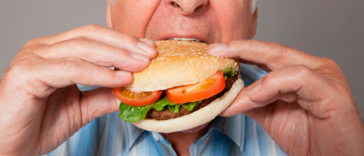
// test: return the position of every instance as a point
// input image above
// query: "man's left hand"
(304, 103)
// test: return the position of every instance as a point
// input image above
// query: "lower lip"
(196, 128)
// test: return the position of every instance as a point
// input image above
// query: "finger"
(95, 52)
(271, 55)
(96, 103)
(62, 73)
(104, 35)
(315, 91)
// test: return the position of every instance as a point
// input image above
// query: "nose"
(187, 7)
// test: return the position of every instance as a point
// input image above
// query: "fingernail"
(122, 73)
(146, 47)
(255, 89)
(139, 56)
(147, 41)
(216, 48)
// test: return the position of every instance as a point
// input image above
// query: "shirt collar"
(132, 133)
(233, 127)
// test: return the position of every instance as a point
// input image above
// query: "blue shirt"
(109, 136)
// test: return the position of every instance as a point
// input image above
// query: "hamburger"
(182, 88)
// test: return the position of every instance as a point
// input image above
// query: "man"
(304, 103)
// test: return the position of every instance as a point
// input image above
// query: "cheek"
(132, 16)
(235, 18)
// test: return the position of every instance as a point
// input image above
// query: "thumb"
(96, 103)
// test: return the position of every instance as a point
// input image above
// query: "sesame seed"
(186, 64)
(148, 74)
(176, 72)
(174, 65)
(199, 63)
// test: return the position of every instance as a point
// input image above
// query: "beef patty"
(165, 114)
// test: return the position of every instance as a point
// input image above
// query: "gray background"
(328, 28)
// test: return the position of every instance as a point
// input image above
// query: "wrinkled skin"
(40, 106)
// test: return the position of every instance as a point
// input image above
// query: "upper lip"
(196, 36)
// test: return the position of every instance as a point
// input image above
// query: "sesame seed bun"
(179, 63)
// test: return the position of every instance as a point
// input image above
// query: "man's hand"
(304, 103)
(40, 105)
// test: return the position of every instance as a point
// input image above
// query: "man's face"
(210, 21)
(207, 20)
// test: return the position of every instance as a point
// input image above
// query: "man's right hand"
(40, 105)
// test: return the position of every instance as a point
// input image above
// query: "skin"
(40, 106)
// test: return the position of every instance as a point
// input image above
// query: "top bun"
(179, 63)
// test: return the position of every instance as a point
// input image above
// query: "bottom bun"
(197, 118)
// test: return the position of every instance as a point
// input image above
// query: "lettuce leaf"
(229, 72)
(174, 108)
(191, 105)
(133, 114)
(159, 105)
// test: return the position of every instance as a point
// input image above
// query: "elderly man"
(303, 106)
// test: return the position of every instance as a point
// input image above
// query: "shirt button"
(155, 136)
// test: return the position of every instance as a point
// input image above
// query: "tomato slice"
(196, 92)
(136, 99)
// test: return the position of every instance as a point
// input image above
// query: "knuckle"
(22, 52)
(277, 47)
(131, 65)
(21, 65)
(270, 79)
(274, 46)
(69, 66)
(129, 39)
(102, 75)
(91, 28)
(31, 42)
(35, 41)
(279, 52)
(331, 63)
(234, 43)
(78, 42)
(302, 71)
(141, 66)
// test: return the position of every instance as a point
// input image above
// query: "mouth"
(185, 39)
